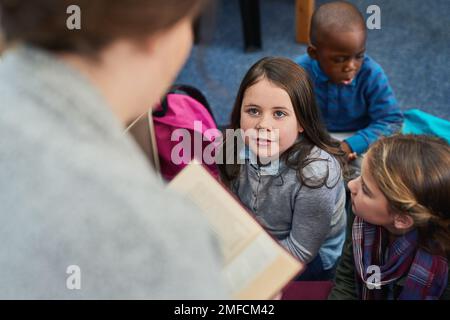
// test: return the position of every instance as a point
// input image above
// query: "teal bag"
(419, 122)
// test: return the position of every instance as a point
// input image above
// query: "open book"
(256, 266)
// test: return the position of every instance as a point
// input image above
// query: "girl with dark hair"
(294, 186)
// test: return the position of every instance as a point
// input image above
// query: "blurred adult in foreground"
(82, 215)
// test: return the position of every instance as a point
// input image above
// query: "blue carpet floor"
(413, 46)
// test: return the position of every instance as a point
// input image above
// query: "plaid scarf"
(427, 274)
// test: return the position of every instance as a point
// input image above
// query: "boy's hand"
(348, 151)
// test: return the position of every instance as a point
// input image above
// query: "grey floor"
(413, 46)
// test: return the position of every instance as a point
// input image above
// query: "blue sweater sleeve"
(385, 115)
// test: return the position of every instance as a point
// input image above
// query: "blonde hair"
(413, 173)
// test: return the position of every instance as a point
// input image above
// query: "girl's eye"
(279, 114)
(252, 111)
(364, 190)
(360, 57)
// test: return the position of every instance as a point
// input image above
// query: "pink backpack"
(184, 107)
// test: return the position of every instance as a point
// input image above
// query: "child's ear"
(403, 221)
(312, 51)
(300, 129)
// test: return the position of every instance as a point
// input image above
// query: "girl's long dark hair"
(289, 76)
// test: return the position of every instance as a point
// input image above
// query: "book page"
(143, 131)
(153, 145)
(234, 230)
(256, 266)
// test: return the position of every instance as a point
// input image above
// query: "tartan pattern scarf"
(427, 274)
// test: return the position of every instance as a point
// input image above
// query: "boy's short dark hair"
(335, 16)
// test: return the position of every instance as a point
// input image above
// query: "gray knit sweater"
(307, 221)
(76, 190)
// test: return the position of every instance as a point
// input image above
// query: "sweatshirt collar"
(271, 169)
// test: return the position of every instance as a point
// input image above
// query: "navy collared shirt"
(367, 105)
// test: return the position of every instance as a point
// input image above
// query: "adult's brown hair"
(43, 22)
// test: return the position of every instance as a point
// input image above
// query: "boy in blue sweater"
(352, 90)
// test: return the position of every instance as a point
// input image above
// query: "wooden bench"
(304, 10)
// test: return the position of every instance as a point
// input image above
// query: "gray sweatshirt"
(81, 214)
(307, 221)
